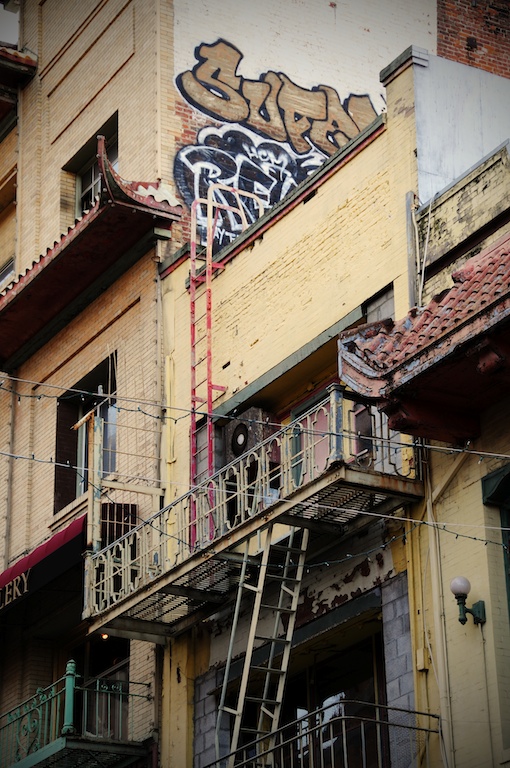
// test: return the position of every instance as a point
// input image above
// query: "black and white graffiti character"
(237, 157)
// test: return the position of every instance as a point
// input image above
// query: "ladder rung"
(283, 548)
(269, 670)
(274, 577)
(231, 711)
(255, 731)
(282, 640)
(279, 608)
(260, 700)
(251, 587)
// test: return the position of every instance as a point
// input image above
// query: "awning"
(47, 561)
(119, 229)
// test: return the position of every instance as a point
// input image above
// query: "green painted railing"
(102, 708)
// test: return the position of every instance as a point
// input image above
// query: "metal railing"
(103, 708)
(292, 458)
(345, 734)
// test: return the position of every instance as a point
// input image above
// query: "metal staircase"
(275, 591)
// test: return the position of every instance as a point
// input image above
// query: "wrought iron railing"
(103, 708)
(292, 458)
(345, 734)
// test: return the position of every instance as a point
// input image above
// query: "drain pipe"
(10, 472)
(443, 678)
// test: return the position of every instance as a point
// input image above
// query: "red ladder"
(202, 270)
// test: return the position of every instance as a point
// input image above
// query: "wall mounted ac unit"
(245, 432)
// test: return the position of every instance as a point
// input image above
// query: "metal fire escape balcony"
(100, 721)
(322, 471)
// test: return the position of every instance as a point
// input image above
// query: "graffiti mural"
(241, 159)
(282, 131)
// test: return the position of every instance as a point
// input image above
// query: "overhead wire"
(250, 421)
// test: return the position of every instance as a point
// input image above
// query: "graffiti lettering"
(273, 105)
(241, 159)
(213, 84)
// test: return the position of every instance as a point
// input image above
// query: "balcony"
(104, 720)
(345, 733)
(338, 464)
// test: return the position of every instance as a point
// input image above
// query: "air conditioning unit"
(246, 431)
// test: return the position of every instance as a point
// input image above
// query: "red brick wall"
(475, 32)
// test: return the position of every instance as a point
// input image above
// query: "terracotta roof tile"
(483, 281)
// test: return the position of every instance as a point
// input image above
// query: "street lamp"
(461, 587)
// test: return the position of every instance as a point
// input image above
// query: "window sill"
(70, 512)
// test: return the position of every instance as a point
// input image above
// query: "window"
(80, 179)
(88, 183)
(6, 272)
(362, 428)
(380, 307)
(72, 447)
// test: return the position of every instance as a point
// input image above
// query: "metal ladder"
(256, 713)
(203, 268)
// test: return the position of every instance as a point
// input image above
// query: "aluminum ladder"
(259, 692)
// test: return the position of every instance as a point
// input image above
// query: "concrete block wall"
(398, 662)
(205, 717)
(398, 654)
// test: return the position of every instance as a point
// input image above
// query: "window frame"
(95, 390)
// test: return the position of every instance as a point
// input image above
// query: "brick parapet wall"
(475, 32)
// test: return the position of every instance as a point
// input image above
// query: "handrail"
(106, 710)
(346, 732)
(293, 457)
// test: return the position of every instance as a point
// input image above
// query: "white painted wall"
(343, 44)
(8, 26)
(462, 114)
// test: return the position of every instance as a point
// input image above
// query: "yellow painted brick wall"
(123, 320)
(92, 63)
(479, 659)
(8, 155)
(308, 271)
(8, 164)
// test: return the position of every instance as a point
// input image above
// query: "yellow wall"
(93, 60)
(315, 265)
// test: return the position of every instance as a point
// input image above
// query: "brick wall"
(475, 32)
(123, 320)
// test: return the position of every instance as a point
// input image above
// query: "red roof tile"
(87, 258)
(435, 371)
(479, 286)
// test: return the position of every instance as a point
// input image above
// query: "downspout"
(412, 249)
(443, 678)
(161, 362)
(10, 472)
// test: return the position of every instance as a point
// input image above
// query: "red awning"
(40, 553)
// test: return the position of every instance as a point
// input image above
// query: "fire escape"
(242, 532)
